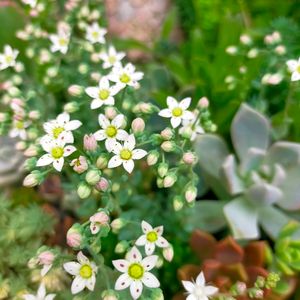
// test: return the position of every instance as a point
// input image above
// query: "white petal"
(134, 255)
(109, 101)
(121, 265)
(172, 102)
(114, 162)
(78, 285)
(93, 92)
(165, 113)
(295, 76)
(141, 241)
(100, 135)
(83, 260)
(193, 297)
(128, 165)
(41, 291)
(45, 270)
(122, 135)
(175, 122)
(149, 262)
(138, 153)
(292, 65)
(103, 121)
(72, 125)
(104, 83)
(130, 142)
(50, 297)
(210, 290)
(187, 115)
(72, 267)
(94, 227)
(116, 148)
(66, 137)
(149, 248)
(200, 280)
(150, 280)
(185, 103)
(96, 103)
(146, 227)
(69, 150)
(90, 283)
(63, 118)
(45, 160)
(159, 230)
(118, 121)
(29, 297)
(188, 285)
(162, 242)
(136, 289)
(123, 282)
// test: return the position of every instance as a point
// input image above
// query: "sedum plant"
(260, 179)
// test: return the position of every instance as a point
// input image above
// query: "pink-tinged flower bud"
(96, 76)
(162, 169)
(100, 218)
(71, 107)
(74, 237)
(177, 203)
(34, 115)
(138, 125)
(89, 142)
(168, 146)
(259, 294)
(189, 158)
(102, 162)
(203, 102)
(280, 50)
(276, 37)
(268, 39)
(152, 158)
(241, 287)
(75, 90)
(190, 194)
(92, 177)
(168, 253)
(109, 295)
(33, 179)
(17, 103)
(102, 185)
(245, 39)
(31, 151)
(167, 134)
(110, 112)
(80, 164)
(46, 258)
(231, 50)
(21, 146)
(95, 57)
(169, 180)
(117, 224)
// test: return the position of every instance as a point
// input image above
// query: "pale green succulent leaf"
(252, 160)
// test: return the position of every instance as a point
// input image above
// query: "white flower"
(19, 129)
(151, 238)
(56, 152)
(136, 272)
(125, 154)
(111, 131)
(191, 128)
(177, 111)
(124, 76)
(61, 128)
(294, 68)
(95, 34)
(8, 58)
(111, 57)
(197, 290)
(31, 3)
(84, 272)
(41, 294)
(60, 41)
(103, 94)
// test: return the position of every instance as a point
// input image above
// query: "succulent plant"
(261, 180)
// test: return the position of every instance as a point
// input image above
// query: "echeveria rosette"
(261, 181)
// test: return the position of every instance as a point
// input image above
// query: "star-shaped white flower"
(125, 154)
(294, 68)
(177, 111)
(111, 131)
(111, 57)
(60, 41)
(19, 129)
(95, 34)
(191, 128)
(61, 128)
(103, 94)
(41, 294)
(125, 76)
(84, 272)
(8, 57)
(198, 290)
(135, 271)
(57, 151)
(151, 238)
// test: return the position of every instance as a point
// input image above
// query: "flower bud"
(34, 115)
(117, 224)
(168, 146)
(32, 150)
(33, 179)
(21, 146)
(138, 125)
(102, 161)
(74, 237)
(189, 158)
(160, 182)
(177, 203)
(167, 134)
(80, 164)
(162, 169)
(83, 69)
(30, 163)
(203, 102)
(33, 262)
(92, 177)
(121, 247)
(109, 295)
(89, 142)
(75, 90)
(83, 190)
(110, 112)
(169, 180)
(245, 39)
(190, 194)
(46, 257)
(252, 53)
(152, 157)
(102, 185)
(96, 76)
(231, 50)
(280, 50)
(71, 107)
(168, 253)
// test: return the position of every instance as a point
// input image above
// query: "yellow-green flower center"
(125, 154)
(136, 271)
(57, 152)
(112, 59)
(19, 125)
(177, 112)
(124, 78)
(298, 68)
(86, 272)
(9, 58)
(152, 236)
(111, 131)
(95, 34)
(57, 131)
(62, 42)
(103, 94)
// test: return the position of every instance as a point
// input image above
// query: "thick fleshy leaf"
(228, 251)
(252, 160)
(188, 272)
(255, 254)
(263, 194)
(229, 173)
(249, 129)
(242, 218)
(272, 220)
